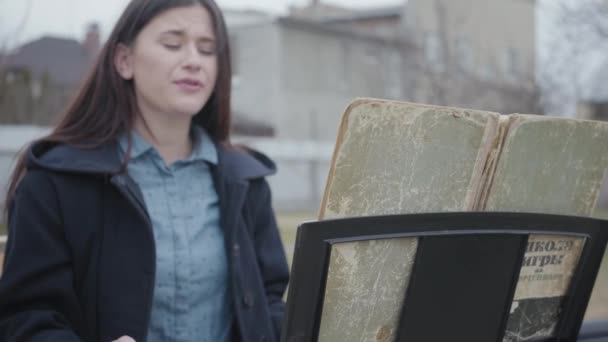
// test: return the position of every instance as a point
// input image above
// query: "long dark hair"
(105, 105)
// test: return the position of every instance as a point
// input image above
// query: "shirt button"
(263, 338)
(248, 300)
(236, 250)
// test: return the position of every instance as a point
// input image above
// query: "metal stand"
(464, 276)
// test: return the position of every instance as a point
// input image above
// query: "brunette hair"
(105, 105)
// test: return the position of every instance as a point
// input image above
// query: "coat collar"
(234, 162)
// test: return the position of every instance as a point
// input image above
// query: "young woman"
(135, 219)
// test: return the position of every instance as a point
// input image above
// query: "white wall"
(13, 138)
(302, 165)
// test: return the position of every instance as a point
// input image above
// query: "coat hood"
(235, 162)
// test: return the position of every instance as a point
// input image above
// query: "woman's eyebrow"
(182, 33)
(173, 32)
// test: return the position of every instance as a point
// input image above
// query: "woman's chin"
(186, 111)
(189, 105)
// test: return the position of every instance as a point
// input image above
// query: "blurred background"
(297, 65)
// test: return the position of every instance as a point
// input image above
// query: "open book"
(396, 158)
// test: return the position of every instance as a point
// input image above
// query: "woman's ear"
(123, 61)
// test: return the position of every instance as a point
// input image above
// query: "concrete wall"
(300, 79)
(13, 138)
(256, 59)
(303, 166)
(6, 164)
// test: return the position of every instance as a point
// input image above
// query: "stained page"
(366, 283)
(394, 158)
(397, 157)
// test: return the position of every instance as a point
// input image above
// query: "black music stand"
(441, 304)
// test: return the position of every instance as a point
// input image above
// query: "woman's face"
(173, 62)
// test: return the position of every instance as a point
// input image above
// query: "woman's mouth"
(189, 84)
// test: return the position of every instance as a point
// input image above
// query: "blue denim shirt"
(192, 300)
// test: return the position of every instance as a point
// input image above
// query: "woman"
(135, 219)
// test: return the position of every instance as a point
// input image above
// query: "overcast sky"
(70, 17)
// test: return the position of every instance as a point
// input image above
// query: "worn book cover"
(364, 281)
(545, 165)
(396, 158)
(391, 158)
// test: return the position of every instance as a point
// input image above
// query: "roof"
(247, 17)
(369, 14)
(322, 27)
(319, 11)
(378, 23)
(330, 14)
(65, 61)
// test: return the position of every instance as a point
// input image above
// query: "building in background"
(301, 71)
(39, 78)
(381, 21)
(293, 76)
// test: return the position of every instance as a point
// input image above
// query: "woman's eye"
(172, 47)
(207, 48)
(206, 51)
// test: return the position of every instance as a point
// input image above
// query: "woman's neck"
(168, 134)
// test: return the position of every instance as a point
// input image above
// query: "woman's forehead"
(192, 20)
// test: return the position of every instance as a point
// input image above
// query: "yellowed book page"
(366, 285)
(397, 157)
(548, 266)
(546, 165)
(393, 158)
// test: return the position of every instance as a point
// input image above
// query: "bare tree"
(453, 79)
(7, 42)
(10, 38)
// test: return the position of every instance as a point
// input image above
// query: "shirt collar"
(203, 148)
(139, 146)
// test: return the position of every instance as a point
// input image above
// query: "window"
(433, 51)
(392, 70)
(464, 54)
(510, 63)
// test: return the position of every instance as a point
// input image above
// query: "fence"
(298, 186)
(302, 171)
(303, 165)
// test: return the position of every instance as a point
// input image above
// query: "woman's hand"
(124, 339)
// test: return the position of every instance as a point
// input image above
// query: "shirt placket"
(182, 257)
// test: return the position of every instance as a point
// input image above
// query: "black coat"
(80, 257)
